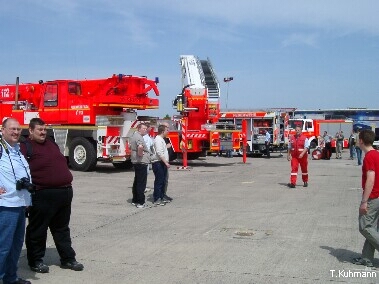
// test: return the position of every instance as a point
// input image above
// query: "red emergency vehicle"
(314, 128)
(90, 120)
(199, 109)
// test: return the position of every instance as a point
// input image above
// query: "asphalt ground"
(229, 222)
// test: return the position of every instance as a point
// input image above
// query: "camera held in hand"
(24, 183)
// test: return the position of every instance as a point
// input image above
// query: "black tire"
(82, 155)
(124, 165)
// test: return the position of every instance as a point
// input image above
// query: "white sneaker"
(147, 189)
(159, 202)
(143, 206)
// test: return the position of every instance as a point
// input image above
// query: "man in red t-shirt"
(369, 207)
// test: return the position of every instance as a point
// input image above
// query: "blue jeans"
(352, 152)
(160, 172)
(359, 155)
(12, 230)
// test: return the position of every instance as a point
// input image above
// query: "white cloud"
(300, 39)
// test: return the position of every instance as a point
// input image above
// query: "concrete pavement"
(229, 223)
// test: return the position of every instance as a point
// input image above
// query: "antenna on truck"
(16, 95)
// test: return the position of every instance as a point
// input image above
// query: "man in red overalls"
(298, 154)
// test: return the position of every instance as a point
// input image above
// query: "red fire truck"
(90, 120)
(313, 128)
(257, 122)
(199, 109)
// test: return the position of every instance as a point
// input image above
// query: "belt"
(55, 187)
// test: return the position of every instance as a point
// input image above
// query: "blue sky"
(281, 53)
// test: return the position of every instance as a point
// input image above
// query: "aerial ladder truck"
(199, 110)
(90, 120)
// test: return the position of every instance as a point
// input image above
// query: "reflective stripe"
(304, 174)
(301, 149)
(293, 174)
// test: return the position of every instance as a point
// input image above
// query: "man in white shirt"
(160, 165)
(150, 144)
(267, 143)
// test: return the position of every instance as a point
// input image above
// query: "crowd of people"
(324, 146)
(36, 183)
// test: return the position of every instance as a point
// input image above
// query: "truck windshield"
(295, 122)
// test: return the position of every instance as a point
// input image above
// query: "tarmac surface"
(229, 222)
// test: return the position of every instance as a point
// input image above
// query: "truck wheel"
(124, 165)
(82, 155)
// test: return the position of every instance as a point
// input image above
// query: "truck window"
(74, 89)
(51, 95)
(308, 125)
(294, 123)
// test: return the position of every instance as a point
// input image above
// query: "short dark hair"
(35, 121)
(367, 136)
(161, 128)
(140, 125)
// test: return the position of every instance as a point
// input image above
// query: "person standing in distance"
(140, 158)
(161, 166)
(369, 207)
(149, 143)
(267, 143)
(352, 145)
(298, 154)
(358, 150)
(328, 145)
(13, 201)
(339, 144)
(167, 198)
(51, 202)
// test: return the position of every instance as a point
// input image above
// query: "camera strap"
(9, 157)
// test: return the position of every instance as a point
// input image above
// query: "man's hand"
(363, 208)
(2, 190)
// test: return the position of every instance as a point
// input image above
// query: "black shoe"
(165, 200)
(291, 185)
(18, 281)
(73, 265)
(40, 268)
(167, 197)
(305, 184)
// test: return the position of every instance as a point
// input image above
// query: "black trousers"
(51, 209)
(267, 144)
(139, 183)
(328, 150)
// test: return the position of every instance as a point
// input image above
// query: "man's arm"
(306, 147)
(369, 185)
(289, 152)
